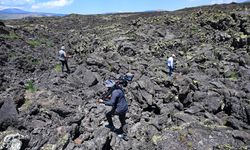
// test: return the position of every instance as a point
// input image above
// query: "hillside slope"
(204, 106)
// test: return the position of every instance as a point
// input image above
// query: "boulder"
(3, 31)
(13, 141)
(241, 135)
(213, 104)
(97, 61)
(127, 49)
(222, 36)
(2, 24)
(62, 111)
(19, 97)
(182, 118)
(196, 108)
(241, 41)
(3, 58)
(148, 97)
(9, 114)
(83, 77)
(188, 100)
(236, 108)
(199, 96)
(234, 123)
(146, 83)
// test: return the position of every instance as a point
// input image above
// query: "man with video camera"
(118, 103)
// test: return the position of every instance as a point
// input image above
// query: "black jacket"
(118, 101)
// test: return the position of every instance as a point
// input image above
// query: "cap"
(109, 83)
(62, 47)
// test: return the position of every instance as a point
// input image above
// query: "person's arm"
(172, 63)
(112, 101)
(66, 55)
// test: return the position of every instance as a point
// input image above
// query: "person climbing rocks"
(63, 57)
(119, 107)
(170, 64)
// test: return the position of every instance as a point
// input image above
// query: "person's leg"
(66, 64)
(123, 127)
(62, 65)
(169, 71)
(109, 116)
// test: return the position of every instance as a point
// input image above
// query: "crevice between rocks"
(1, 104)
(228, 109)
(77, 133)
(107, 145)
(25, 144)
(153, 108)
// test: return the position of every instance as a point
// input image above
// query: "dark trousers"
(65, 62)
(122, 118)
(170, 70)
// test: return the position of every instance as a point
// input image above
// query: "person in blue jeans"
(119, 107)
(63, 57)
(170, 64)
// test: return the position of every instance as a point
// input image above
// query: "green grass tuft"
(11, 36)
(58, 67)
(34, 43)
(233, 76)
(190, 145)
(30, 87)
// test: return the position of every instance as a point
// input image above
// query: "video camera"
(124, 79)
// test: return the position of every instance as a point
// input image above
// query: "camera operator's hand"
(100, 101)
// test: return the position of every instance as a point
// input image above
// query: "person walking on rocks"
(170, 64)
(119, 107)
(63, 57)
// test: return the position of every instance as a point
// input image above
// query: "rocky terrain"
(204, 106)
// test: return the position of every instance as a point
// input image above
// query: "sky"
(104, 6)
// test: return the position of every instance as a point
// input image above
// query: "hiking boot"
(111, 127)
(119, 131)
(123, 136)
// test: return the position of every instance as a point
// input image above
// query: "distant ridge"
(247, 1)
(14, 13)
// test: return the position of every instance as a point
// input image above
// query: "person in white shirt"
(63, 58)
(170, 64)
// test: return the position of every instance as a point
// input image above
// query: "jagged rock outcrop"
(9, 114)
(13, 141)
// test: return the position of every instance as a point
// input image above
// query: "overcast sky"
(104, 6)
